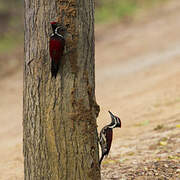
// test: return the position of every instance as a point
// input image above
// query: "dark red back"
(109, 135)
(56, 48)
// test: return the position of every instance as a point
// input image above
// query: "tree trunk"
(59, 115)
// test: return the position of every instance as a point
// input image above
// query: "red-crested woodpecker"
(56, 46)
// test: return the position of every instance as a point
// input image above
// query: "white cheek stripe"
(116, 121)
(56, 32)
(52, 34)
(113, 125)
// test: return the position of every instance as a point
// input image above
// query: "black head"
(116, 122)
(54, 25)
(58, 28)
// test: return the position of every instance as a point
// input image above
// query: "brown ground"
(138, 79)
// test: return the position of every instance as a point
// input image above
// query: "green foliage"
(110, 10)
(10, 42)
(11, 22)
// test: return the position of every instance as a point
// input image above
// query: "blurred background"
(137, 78)
(11, 35)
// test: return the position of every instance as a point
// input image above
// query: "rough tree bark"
(59, 115)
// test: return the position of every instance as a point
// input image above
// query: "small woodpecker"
(106, 135)
(56, 46)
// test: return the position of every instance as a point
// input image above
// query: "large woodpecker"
(106, 135)
(56, 46)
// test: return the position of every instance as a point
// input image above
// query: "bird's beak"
(112, 117)
(111, 114)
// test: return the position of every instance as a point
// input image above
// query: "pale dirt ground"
(138, 79)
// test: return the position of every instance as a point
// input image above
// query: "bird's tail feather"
(101, 159)
(54, 69)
